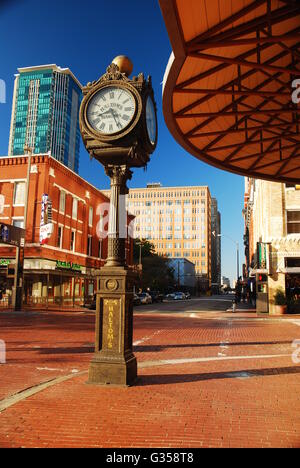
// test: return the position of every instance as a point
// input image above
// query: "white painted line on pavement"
(165, 362)
(146, 338)
(295, 322)
(22, 395)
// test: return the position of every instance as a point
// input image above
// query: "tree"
(156, 273)
(143, 248)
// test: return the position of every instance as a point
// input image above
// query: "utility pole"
(140, 258)
(19, 269)
(28, 151)
(237, 260)
(237, 254)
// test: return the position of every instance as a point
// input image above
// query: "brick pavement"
(205, 380)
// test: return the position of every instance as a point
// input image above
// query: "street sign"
(12, 235)
(46, 226)
(45, 232)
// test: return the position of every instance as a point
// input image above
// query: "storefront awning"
(228, 95)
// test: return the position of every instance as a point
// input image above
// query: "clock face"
(151, 120)
(111, 110)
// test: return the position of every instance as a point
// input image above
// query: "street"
(206, 378)
(200, 304)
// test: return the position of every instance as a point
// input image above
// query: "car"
(91, 305)
(170, 296)
(145, 298)
(187, 295)
(136, 300)
(179, 296)
(156, 296)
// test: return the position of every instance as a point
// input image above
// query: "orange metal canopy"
(228, 85)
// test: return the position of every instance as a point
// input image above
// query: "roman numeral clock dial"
(111, 110)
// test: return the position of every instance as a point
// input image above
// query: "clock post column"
(114, 362)
(118, 125)
(117, 227)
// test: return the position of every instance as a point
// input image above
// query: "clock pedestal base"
(114, 362)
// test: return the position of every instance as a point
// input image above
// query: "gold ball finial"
(124, 63)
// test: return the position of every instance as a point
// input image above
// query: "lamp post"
(19, 269)
(118, 126)
(237, 254)
(29, 152)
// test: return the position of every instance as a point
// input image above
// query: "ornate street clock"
(118, 118)
(118, 125)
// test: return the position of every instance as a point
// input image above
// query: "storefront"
(6, 281)
(58, 283)
(292, 284)
(49, 283)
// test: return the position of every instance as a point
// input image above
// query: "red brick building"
(63, 271)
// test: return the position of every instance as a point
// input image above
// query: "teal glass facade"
(46, 115)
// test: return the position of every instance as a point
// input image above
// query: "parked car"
(136, 300)
(92, 305)
(187, 295)
(145, 298)
(179, 296)
(170, 296)
(156, 296)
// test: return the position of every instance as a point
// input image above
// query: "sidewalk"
(205, 380)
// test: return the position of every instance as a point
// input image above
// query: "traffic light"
(4, 233)
(262, 278)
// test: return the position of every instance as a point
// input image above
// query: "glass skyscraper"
(45, 113)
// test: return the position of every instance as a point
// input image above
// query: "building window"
(89, 246)
(19, 193)
(18, 223)
(91, 215)
(293, 222)
(72, 243)
(59, 237)
(74, 208)
(62, 202)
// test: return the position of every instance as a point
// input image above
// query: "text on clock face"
(110, 111)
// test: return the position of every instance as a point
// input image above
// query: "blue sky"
(85, 36)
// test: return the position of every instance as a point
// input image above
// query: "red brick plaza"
(205, 380)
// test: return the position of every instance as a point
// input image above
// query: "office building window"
(89, 245)
(19, 193)
(75, 208)
(293, 222)
(72, 243)
(59, 237)
(18, 223)
(62, 201)
(91, 214)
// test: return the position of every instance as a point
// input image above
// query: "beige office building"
(177, 220)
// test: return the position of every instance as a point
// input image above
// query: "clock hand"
(114, 116)
(104, 112)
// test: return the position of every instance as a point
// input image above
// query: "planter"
(280, 309)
